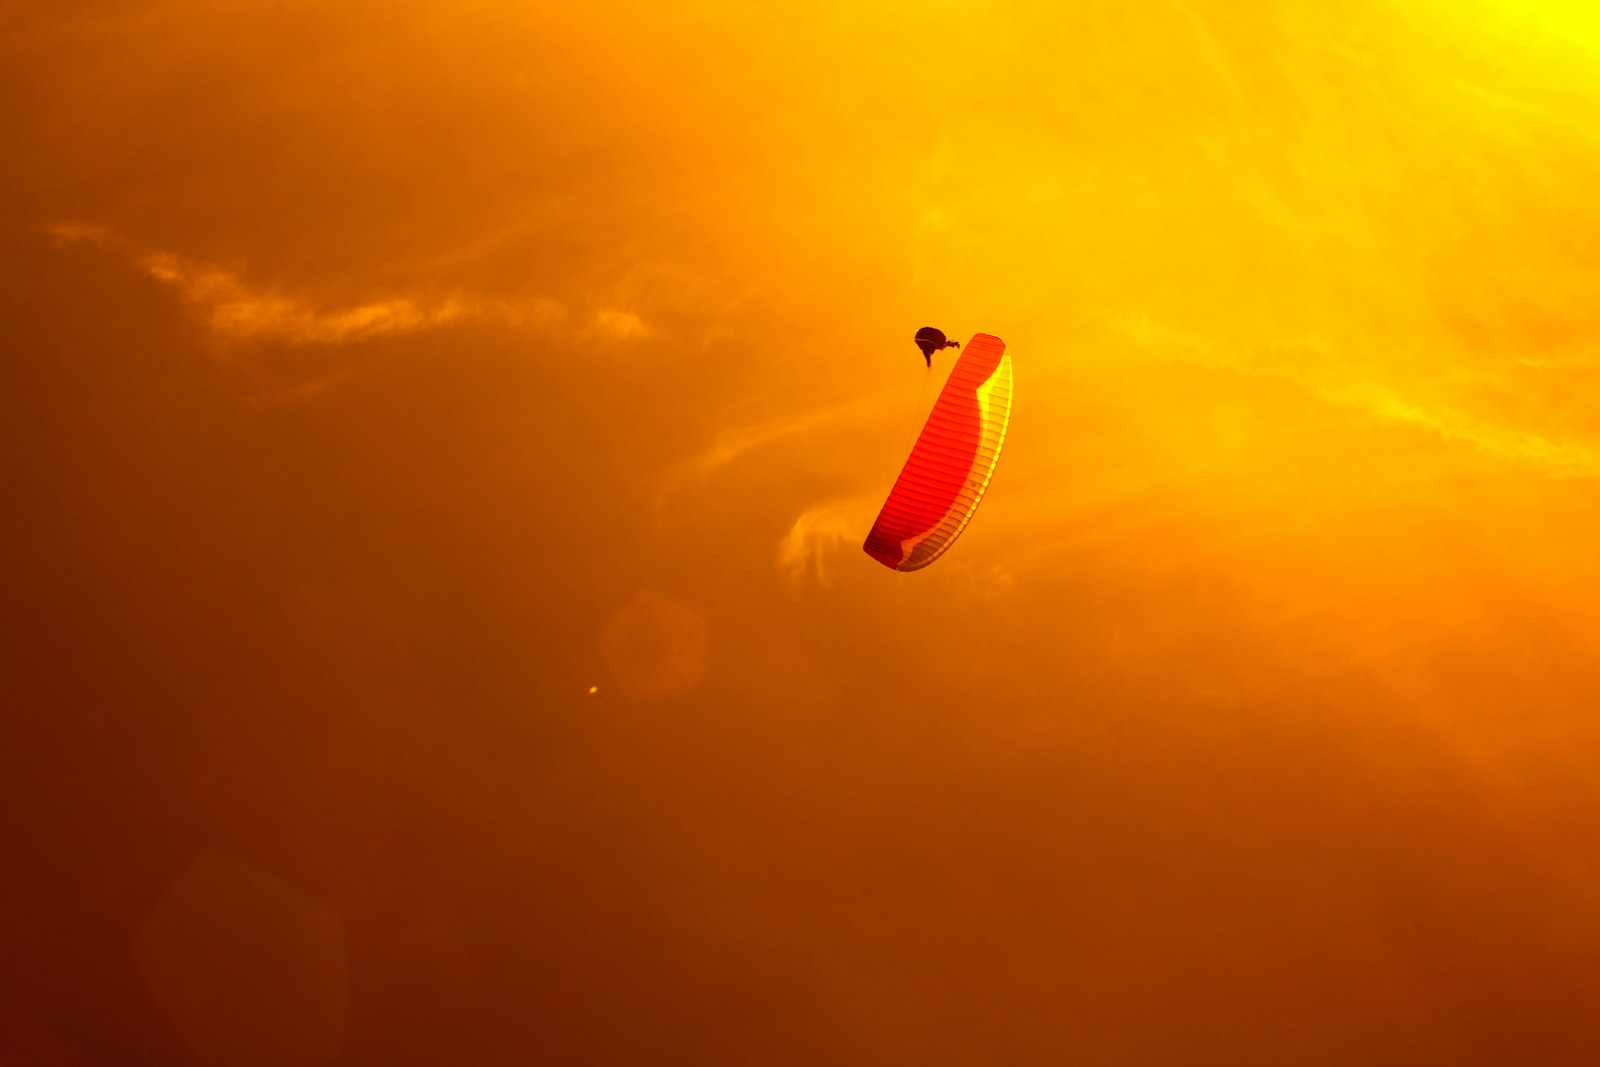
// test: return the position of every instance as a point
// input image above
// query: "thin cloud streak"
(233, 308)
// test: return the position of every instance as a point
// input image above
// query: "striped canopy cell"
(949, 468)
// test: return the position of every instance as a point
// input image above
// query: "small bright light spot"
(593, 689)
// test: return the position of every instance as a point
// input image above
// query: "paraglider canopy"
(949, 468)
(930, 340)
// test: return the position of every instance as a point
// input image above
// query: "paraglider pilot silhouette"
(931, 340)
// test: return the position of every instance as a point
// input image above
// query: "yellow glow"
(1563, 20)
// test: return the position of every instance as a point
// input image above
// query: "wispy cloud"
(1428, 397)
(816, 537)
(234, 308)
(621, 325)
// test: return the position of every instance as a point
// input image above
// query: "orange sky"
(438, 445)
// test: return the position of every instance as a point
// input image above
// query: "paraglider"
(931, 340)
(949, 468)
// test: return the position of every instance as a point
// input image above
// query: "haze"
(439, 438)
